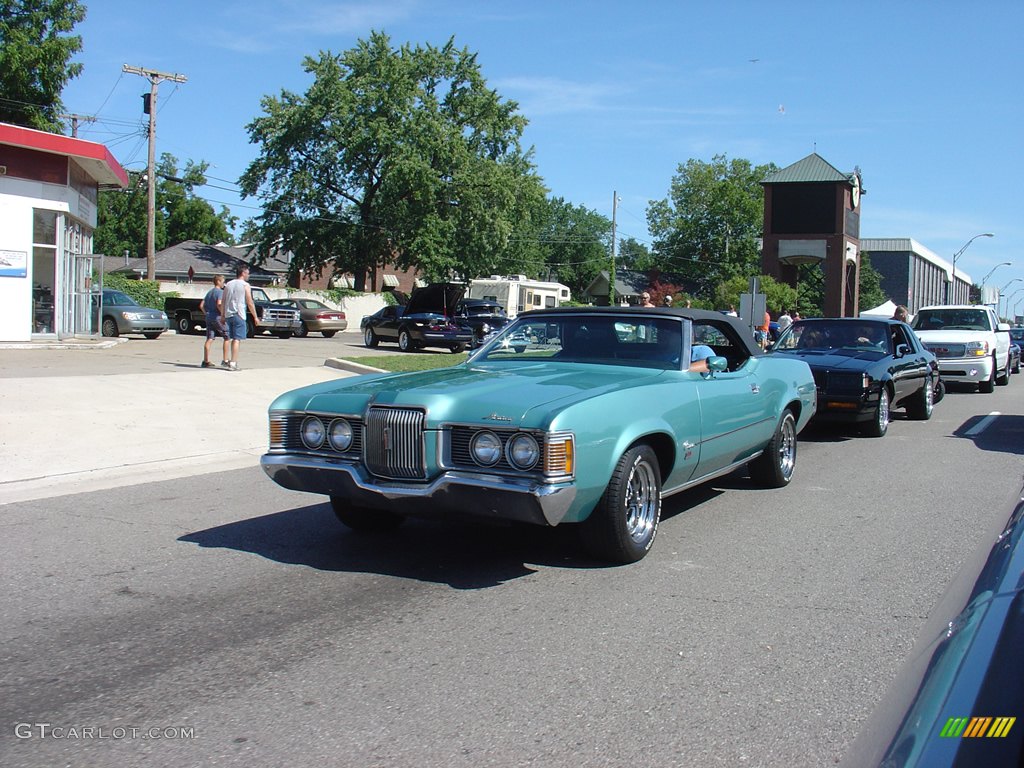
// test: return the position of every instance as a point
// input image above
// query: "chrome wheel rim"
(642, 501)
(883, 410)
(367, 337)
(403, 341)
(928, 397)
(787, 447)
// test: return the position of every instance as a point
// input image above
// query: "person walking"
(237, 299)
(785, 320)
(210, 305)
(646, 300)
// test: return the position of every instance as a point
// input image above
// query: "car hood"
(509, 395)
(437, 298)
(950, 337)
(835, 359)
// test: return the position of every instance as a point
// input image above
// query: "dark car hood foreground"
(835, 359)
(436, 298)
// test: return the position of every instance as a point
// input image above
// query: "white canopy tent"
(882, 310)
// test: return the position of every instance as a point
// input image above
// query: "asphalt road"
(242, 621)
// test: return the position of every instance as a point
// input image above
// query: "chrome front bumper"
(478, 495)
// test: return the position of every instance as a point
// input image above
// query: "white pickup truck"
(970, 343)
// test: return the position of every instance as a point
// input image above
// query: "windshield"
(118, 299)
(654, 342)
(824, 335)
(952, 320)
(259, 295)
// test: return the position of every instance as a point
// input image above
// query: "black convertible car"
(484, 316)
(427, 320)
(864, 368)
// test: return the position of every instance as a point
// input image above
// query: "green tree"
(634, 255)
(180, 214)
(35, 51)
(573, 244)
(778, 295)
(394, 155)
(871, 293)
(708, 226)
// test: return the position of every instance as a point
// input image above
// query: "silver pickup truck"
(970, 343)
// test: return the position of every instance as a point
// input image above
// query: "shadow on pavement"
(471, 555)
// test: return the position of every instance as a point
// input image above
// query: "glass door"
(44, 271)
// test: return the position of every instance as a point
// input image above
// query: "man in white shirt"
(237, 298)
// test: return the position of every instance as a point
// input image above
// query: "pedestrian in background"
(210, 305)
(785, 320)
(900, 313)
(237, 299)
(646, 300)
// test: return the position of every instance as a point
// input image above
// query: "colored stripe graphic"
(977, 727)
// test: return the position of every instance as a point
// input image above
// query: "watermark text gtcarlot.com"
(104, 732)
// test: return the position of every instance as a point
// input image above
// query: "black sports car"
(484, 316)
(863, 368)
(427, 320)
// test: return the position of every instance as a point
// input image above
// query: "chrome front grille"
(394, 443)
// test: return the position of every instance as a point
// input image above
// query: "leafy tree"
(871, 293)
(778, 295)
(634, 255)
(707, 228)
(35, 49)
(394, 155)
(572, 243)
(180, 214)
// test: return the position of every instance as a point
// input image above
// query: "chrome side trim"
(666, 492)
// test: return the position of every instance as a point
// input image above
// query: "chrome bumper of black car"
(489, 496)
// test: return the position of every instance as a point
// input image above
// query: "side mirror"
(717, 364)
(902, 350)
(1003, 327)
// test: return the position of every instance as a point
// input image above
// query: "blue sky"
(925, 97)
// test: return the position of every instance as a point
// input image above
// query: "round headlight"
(485, 448)
(522, 451)
(313, 432)
(340, 435)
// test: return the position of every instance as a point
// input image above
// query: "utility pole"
(74, 122)
(611, 278)
(154, 80)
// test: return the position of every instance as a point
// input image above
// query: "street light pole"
(1010, 298)
(997, 266)
(1002, 291)
(1015, 280)
(957, 256)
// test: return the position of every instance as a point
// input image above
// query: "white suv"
(970, 343)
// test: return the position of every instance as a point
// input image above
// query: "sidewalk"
(73, 434)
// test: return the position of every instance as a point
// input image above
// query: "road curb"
(350, 366)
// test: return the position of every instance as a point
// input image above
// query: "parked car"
(1016, 340)
(864, 368)
(316, 317)
(484, 316)
(955, 700)
(593, 426)
(119, 313)
(427, 320)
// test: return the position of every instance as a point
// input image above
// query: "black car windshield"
(654, 342)
(827, 335)
(949, 319)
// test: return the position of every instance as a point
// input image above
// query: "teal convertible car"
(588, 416)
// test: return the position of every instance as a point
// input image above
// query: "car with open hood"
(485, 316)
(428, 319)
(863, 369)
(568, 416)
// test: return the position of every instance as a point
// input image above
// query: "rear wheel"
(328, 334)
(623, 525)
(774, 468)
(456, 348)
(362, 519)
(921, 406)
(370, 338)
(879, 423)
(405, 341)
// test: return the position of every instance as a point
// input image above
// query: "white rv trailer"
(518, 294)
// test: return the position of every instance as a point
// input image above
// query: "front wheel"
(183, 324)
(774, 468)
(456, 348)
(988, 386)
(921, 407)
(303, 331)
(879, 423)
(151, 335)
(109, 327)
(623, 525)
(362, 519)
(370, 338)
